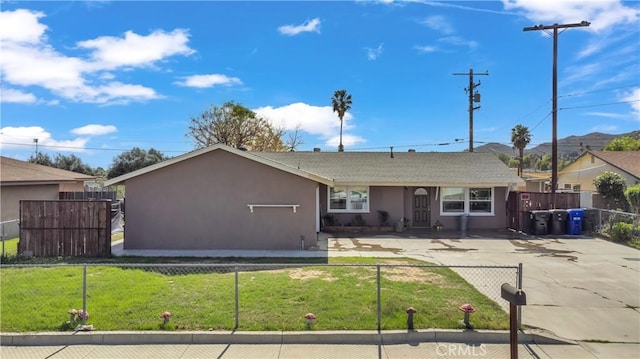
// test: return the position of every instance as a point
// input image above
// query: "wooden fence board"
(65, 228)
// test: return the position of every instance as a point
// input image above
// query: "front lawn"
(343, 295)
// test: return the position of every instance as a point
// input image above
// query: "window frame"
(349, 207)
(467, 202)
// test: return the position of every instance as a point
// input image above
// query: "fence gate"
(520, 203)
(65, 228)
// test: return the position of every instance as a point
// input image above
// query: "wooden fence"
(519, 204)
(65, 228)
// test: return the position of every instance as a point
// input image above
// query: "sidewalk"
(303, 345)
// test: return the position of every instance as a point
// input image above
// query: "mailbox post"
(515, 297)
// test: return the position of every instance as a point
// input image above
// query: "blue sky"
(97, 78)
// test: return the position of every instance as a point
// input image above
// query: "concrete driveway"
(582, 289)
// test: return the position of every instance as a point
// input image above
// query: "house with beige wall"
(224, 198)
(20, 180)
(579, 175)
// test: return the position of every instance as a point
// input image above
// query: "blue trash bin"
(574, 221)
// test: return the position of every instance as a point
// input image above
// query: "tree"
(505, 158)
(610, 185)
(133, 160)
(624, 143)
(520, 137)
(41, 159)
(341, 102)
(632, 194)
(237, 126)
(72, 163)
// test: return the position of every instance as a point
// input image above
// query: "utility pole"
(35, 140)
(554, 96)
(473, 97)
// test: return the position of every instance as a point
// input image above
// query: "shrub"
(621, 232)
(632, 193)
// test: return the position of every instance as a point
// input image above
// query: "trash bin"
(558, 221)
(464, 222)
(539, 222)
(574, 221)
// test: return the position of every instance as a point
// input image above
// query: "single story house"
(579, 175)
(225, 198)
(21, 180)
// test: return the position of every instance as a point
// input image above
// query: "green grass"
(342, 297)
(11, 247)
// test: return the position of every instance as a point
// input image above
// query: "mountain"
(568, 148)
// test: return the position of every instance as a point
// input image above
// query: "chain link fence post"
(84, 294)
(378, 299)
(237, 299)
(519, 287)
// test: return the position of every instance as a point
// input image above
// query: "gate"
(520, 203)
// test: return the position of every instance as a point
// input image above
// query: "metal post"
(379, 304)
(237, 300)
(84, 294)
(519, 286)
(513, 330)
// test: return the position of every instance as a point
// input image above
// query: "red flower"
(467, 308)
(166, 315)
(310, 316)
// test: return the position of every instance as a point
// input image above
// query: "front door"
(421, 208)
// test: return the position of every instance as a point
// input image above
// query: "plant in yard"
(467, 309)
(310, 318)
(77, 320)
(165, 316)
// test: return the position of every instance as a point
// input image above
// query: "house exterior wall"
(72, 187)
(10, 197)
(202, 204)
(585, 169)
(476, 220)
(386, 198)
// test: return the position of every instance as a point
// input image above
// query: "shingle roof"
(13, 171)
(628, 161)
(405, 168)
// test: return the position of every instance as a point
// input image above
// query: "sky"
(97, 78)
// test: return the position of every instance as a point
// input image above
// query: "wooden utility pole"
(554, 96)
(473, 97)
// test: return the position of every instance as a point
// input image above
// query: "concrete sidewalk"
(304, 345)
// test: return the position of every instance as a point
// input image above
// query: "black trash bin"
(558, 221)
(539, 222)
(574, 221)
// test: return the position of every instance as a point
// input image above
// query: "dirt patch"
(449, 247)
(306, 274)
(542, 251)
(413, 275)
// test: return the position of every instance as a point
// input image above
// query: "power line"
(597, 105)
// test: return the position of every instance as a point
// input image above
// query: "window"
(453, 200)
(349, 199)
(467, 200)
(576, 187)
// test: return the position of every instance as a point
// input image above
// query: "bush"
(621, 232)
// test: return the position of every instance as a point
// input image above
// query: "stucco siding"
(202, 204)
(10, 202)
(585, 170)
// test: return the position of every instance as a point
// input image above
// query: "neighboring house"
(536, 182)
(579, 175)
(21, 180)
(223, 198)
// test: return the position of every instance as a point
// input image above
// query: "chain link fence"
(598, 220)
(265, 297)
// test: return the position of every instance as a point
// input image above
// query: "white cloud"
(94, 130)
(438, 23)
(29, 60)
(309, 26)
(633, 97)
(315, 120)
(602, 14)
(203, 81)
(372, 54)
(16, 96)
(425, 49)
(458, 41)
(21, 26)
(137, 50)
(20, 137)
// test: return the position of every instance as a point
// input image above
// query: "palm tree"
(341, 101)
(520, 137)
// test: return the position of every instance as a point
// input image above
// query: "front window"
(348, 199)
(467, 200)
(453, 199)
